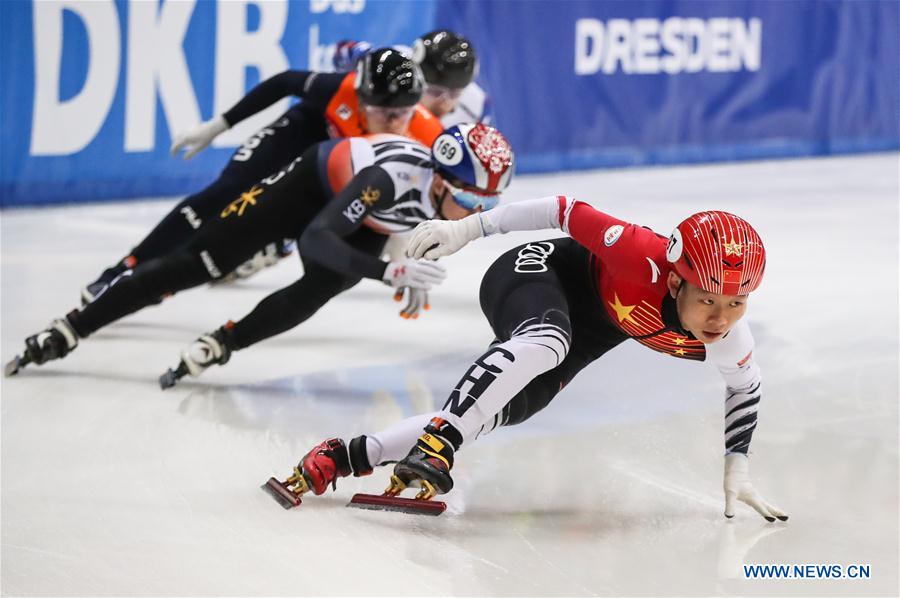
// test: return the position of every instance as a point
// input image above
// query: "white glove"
(416, 301)
(417, 274)
(195, 140)
(738, 487)
(436, 238)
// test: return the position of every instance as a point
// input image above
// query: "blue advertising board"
(583, 84)
(94, 90)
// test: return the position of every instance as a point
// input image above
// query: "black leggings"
(262, 154)
(244, 227)
(549, 282)
(292, 305)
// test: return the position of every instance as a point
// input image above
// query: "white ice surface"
(112, 487)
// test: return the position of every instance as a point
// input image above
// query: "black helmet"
(446, 59)
(385, 77)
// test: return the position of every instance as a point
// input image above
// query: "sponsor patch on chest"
(344, 112)
(612, 234)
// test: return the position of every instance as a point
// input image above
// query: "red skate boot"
(321, 466)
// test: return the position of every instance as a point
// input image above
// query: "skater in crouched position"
(340, 199)
(380, 96)
(555, 306)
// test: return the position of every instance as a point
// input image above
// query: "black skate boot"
(109, 277)
(321, 466)
(264, 258)
(428, 464)
(209, 349)
(53, 343)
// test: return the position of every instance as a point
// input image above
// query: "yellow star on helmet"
(623, 312)
(733, 248)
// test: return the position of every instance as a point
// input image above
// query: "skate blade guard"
(281, 493)
(386, 502)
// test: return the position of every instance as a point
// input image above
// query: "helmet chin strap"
(681, 327)
(439, 203)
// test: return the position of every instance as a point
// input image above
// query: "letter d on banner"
(588, 46)
(61, 128)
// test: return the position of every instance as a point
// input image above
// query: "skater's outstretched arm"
(733, 356)
(314, 88)
(324, 240)
(583, 223)
(437, 238)
(311, 86)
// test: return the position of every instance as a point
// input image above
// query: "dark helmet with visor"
(387, 78)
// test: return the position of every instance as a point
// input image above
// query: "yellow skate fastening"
(397, 486)
(297, 483)
(427, 492)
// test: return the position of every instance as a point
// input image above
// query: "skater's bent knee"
(549, 336)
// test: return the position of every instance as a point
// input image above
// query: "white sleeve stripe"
(740, 402)
(570, 203)
(749, 389)
(739, 414)
(737, 431)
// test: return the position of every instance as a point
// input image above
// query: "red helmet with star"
(718, 252)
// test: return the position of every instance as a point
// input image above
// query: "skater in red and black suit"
(556, 306)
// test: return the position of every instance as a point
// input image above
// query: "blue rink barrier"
(585, 84)
(93, 91)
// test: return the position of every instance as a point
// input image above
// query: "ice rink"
(113, 487)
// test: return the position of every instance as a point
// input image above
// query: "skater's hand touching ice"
(738, 488)
(436, 238)
(195, 140)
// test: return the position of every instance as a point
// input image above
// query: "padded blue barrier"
(92, 92)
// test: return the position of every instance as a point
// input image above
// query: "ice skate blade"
(171, 376)
(168, 379)
(281, 494)
(380, 502)
(13, 366)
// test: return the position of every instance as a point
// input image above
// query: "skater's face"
(705, 315)
(394, 121)
(440, 100)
